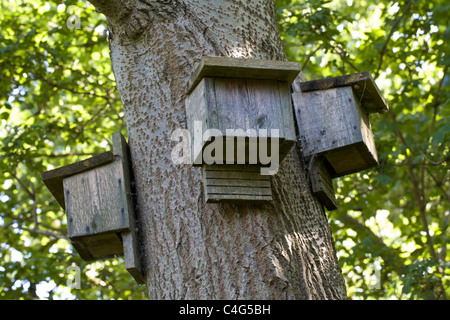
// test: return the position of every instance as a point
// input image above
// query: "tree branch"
(22, 184)
(343, 54)
(436, 101)
(112, 9)
(389, 255)
(418, 191)
(34, 210)
(44, 232)
(391, 32)
(309, 56)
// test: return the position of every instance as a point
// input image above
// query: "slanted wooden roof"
(53, 179)
(363, 85)
(225, 67)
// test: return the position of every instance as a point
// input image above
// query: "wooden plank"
(364, 86)
(225, 67)
(129, 238)
(53, 179)
(249, 104)
(98, 249)
(327, 200)
(239, 190)
(233, 167)
(120, 150)
(322, 184)
(368, 152)
(234, 108)
(197, 111)
(235, 175)
(287, 111)
(327, 119)
(350, 159)
(235, 183)
(82, 250)
(219, 198)
(238, 182)
(132, 256)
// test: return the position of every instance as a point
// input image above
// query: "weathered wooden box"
(231, 98)
(333, 121)
(241, 124)
(96, 196)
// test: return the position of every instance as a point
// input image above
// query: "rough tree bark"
(190, 249)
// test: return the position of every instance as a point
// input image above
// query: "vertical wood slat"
(129, 238)
(197, 110)
(322, 184)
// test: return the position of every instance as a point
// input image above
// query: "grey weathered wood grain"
(235, 183)
(129, 238)
(239, 182)
(197, 110)
(332, 123)
(53, 179)
(248, 105)
(225, 67)
(132, 255)
(103, 246)
(322, 184)
(96, 194)
(95, 201)
(363, 85)
(287, 112)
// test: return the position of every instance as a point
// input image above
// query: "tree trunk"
(190, 249)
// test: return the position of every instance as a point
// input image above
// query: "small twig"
(22, 184)
(391, 32)
(44, 232)
(309, 57)
(63, 155)
(436, 101)
(34, 210)
(364, 90)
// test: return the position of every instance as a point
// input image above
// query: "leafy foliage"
(392, 221)
(59, 105)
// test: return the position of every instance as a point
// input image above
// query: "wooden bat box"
(235, 98)
(246, 105)
(333, 121)
(96, 196)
